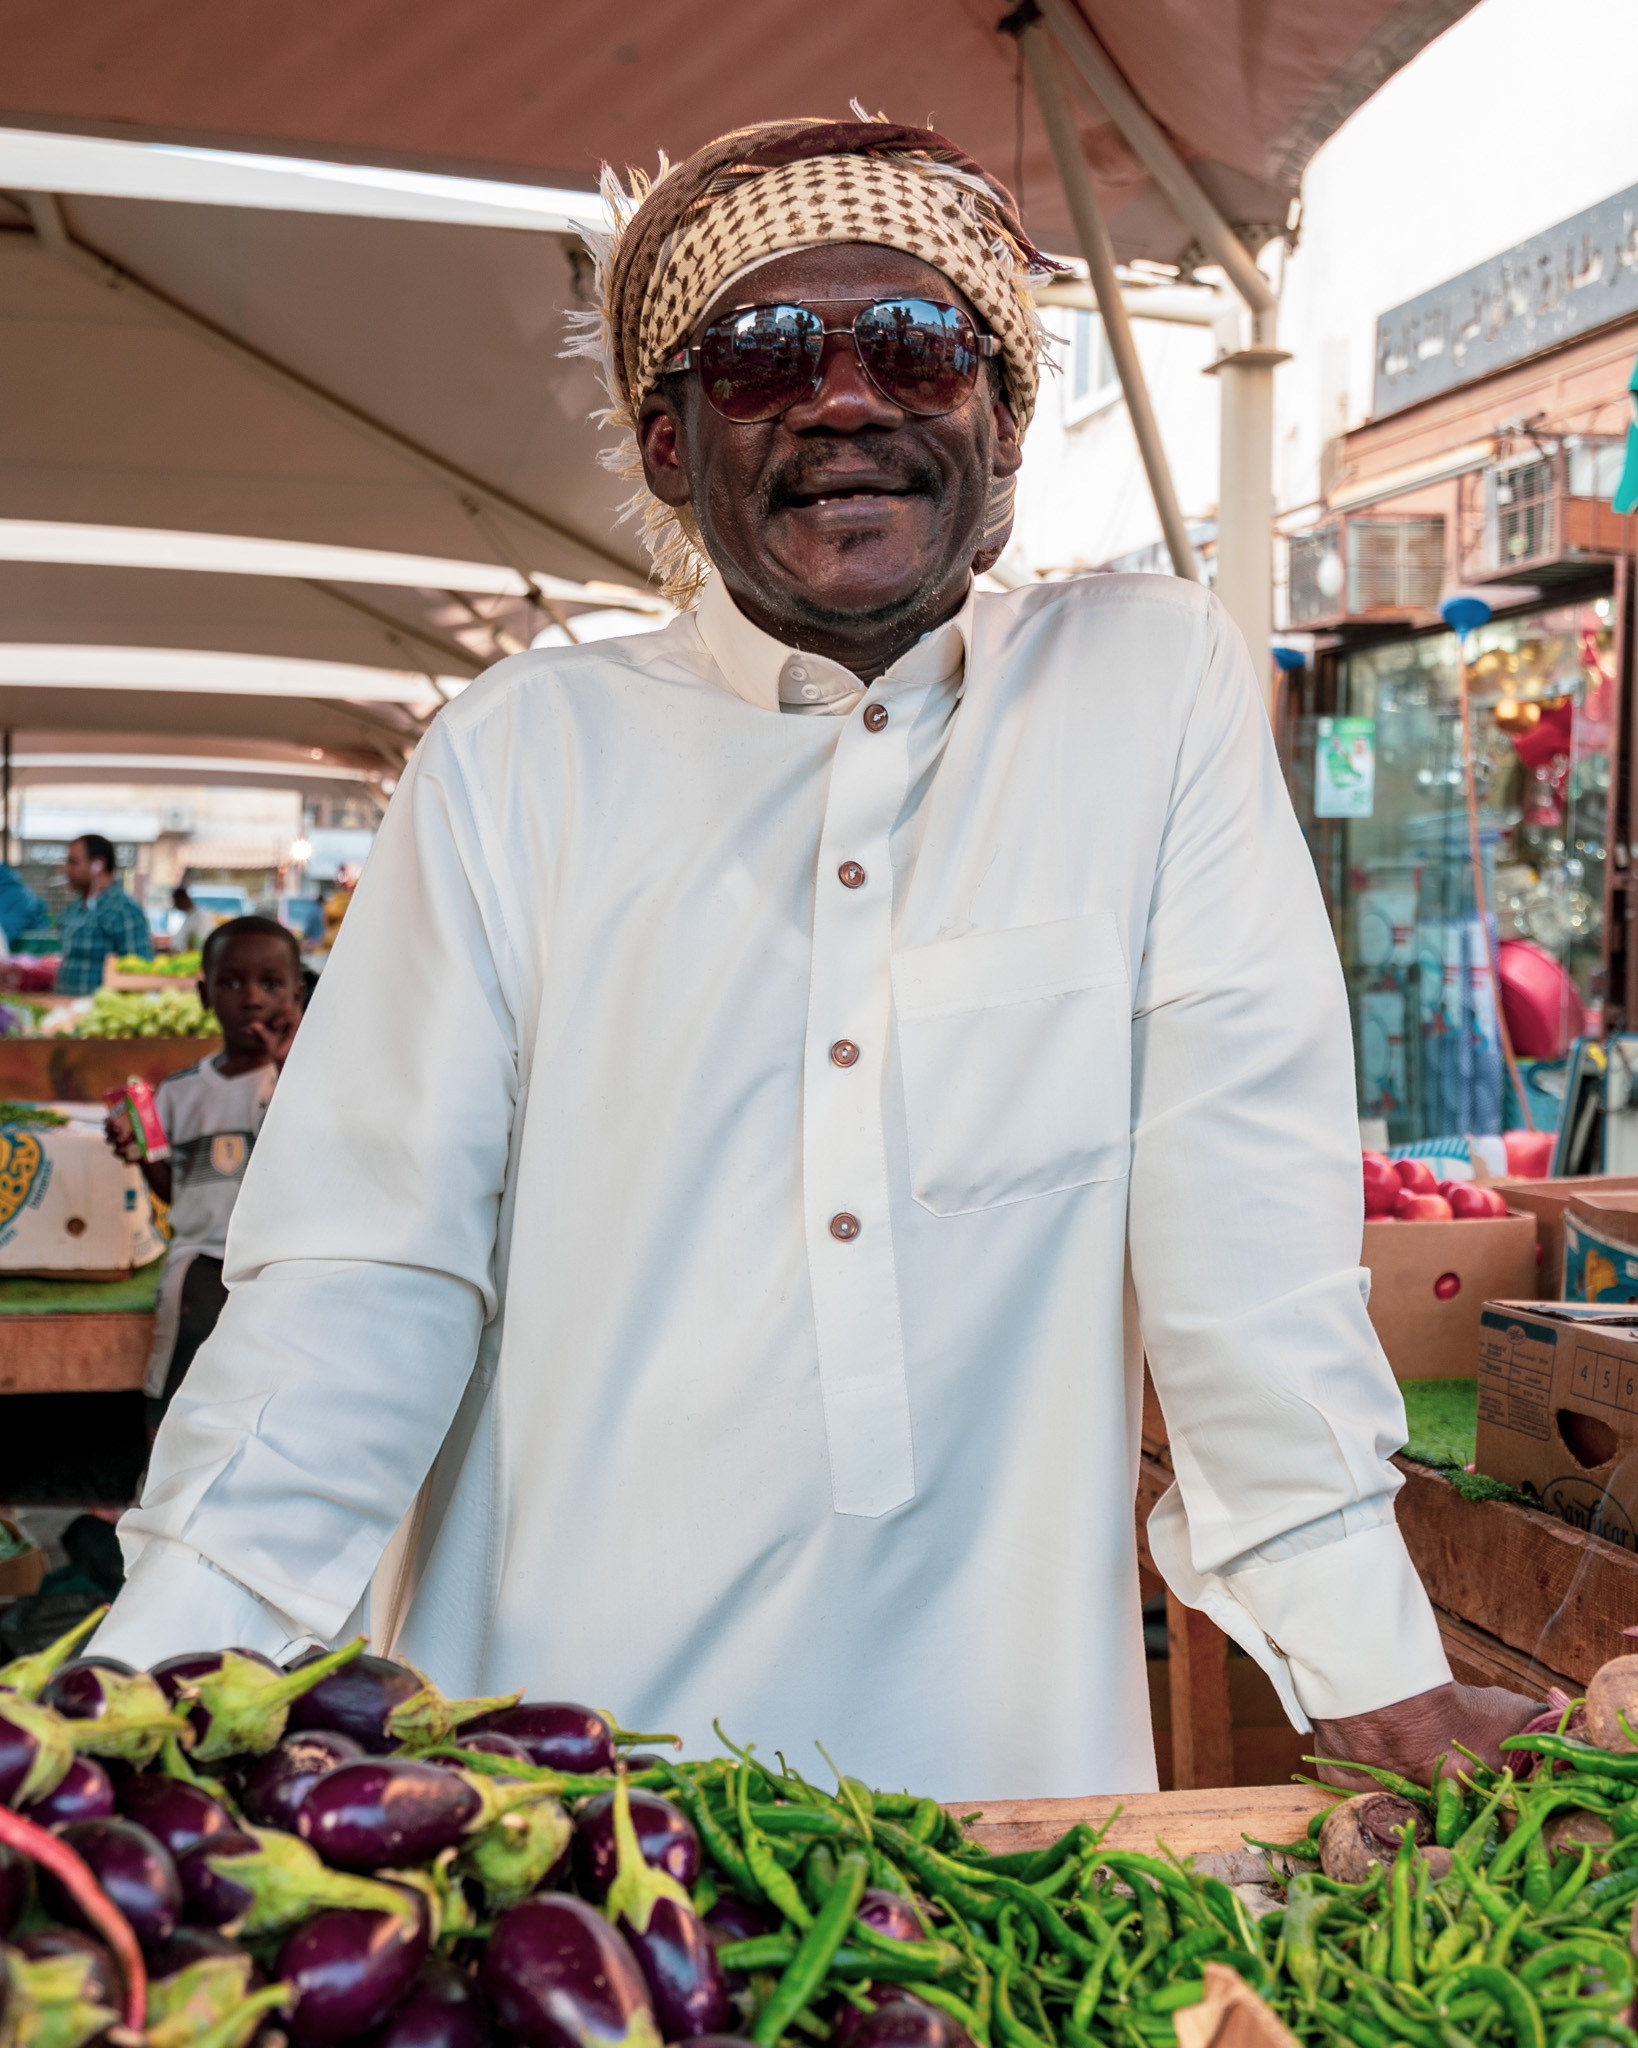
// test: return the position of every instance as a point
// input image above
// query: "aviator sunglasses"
(756, 362)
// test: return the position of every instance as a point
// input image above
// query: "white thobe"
(761, 1380)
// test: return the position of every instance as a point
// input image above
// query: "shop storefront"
(1544, 708)
(1496, 479)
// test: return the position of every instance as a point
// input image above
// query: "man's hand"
(1410, 1736)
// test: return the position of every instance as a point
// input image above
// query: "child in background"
(252, 978)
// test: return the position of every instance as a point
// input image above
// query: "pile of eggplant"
(218, 1852)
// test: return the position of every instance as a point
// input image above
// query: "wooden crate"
(1523, 1599)
(74, 1354)
(1189, 1823)
(84, 1069)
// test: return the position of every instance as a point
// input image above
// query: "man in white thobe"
(778, 1077)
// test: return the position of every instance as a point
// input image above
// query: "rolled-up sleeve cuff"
(175, 1601)
(1342, 1629)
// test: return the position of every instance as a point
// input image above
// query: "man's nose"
(845, 401)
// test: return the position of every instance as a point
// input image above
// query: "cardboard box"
(1547, 1201)
(1558, 1409)
(69, 1206)
(1601, 1248)
(21, 1574)
(1430, 1282)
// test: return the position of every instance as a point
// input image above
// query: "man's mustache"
(808, 473)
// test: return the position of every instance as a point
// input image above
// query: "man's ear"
(1007, 456)
(660, 438)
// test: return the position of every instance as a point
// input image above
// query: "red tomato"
(1418, 1208)
(1382, 1186)
(1417, 1175)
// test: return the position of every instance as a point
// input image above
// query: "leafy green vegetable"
(142, 1013)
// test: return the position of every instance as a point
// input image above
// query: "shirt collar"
(774, 677)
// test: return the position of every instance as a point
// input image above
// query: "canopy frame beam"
(473, 493)
(1149, 143)
(1096, 247)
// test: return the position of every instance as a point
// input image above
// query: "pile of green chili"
(1518, 1942)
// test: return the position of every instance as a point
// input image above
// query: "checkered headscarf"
(679, 239)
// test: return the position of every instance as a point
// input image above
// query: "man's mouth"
(842, 492)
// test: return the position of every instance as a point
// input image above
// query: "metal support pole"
(1245, 499)
(5, 804)
(1147, 141)
(1076, 180)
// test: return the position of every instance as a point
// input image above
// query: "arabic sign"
(1558, 285)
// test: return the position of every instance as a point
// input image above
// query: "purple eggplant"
(356, 1700)
(665, 1836)
(133, 1869)
(45, 1944)
(444, 2009)
(686, 1984)
(124, 1713)
(892, 1914)
(731, 1919)
(86, 1792)
(29, 1675)
(558, 1976)
(558, 1735)
(239, 1701)
(902, 2021)
(385, 1811)
(190, 1945)
(348, 1969)
(380, 1704)
(14, 1887)
(276, 1784)
(210, 1896)
(176, 1814)
(35, 1751)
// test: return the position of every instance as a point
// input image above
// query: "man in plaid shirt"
(105, 920)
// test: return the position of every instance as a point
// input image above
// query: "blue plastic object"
(1290, 658)
(1464, 614)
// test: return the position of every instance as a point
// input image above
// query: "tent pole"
(1148, 142)
(1245, 499)
(5, 804)
(1076, 180)
(54, 235)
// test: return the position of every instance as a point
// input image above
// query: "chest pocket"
(1016, 1048)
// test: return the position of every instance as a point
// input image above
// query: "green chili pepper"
(926, 1818)
(1562, 1750)
(1013, 2030)
(774, 1881)
(1401, 1948)
(1519, 2008)
(1538, 1875)
(1306, 1906)
(1575, 1884)
(1352, 2028)
(1472, 1836)
(817, 1949)
(1592, 2026)
(801, 1820)
(818, 1874)
(942, 1877)
(1613, 1959)
(1189, 1948)
(1049, 1923)
(958, 2009)
(1450, 1808)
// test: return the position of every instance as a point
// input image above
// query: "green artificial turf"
(1442, 1418)
(27, 1296)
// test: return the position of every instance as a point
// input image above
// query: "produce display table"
(1189, 1823)
(84, 1069)
(76, 1336)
